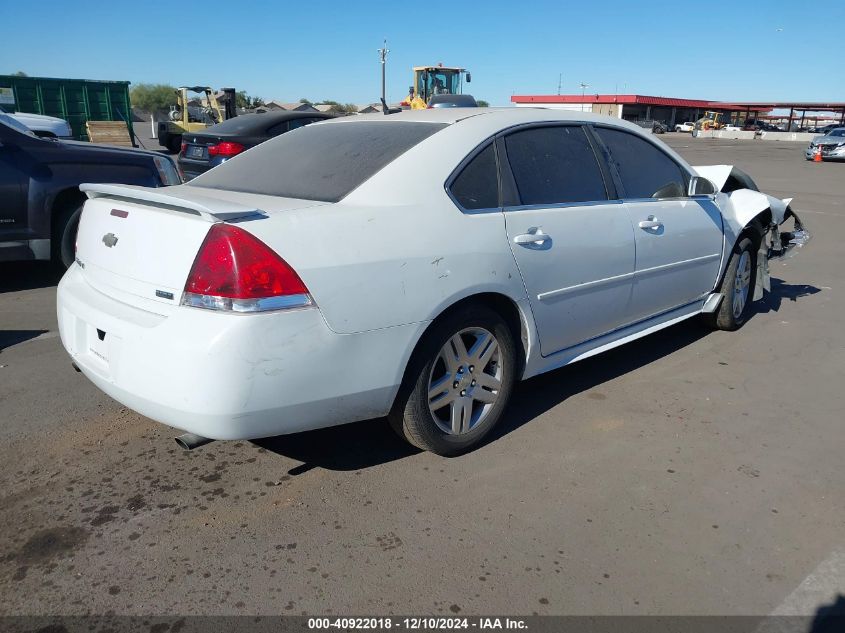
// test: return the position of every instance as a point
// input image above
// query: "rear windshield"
(245, 123)
(318, 162)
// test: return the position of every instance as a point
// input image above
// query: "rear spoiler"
(209, 209)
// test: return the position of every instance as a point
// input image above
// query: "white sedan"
(413, 266)
(687, 126)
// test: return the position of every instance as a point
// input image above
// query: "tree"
(20, 73)
(483, 104)
(304, 100)
(152, 97)
(245, 102)
(339, 107)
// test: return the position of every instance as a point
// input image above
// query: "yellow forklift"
(186, 118)
(433, 80)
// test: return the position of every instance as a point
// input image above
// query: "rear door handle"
(534, 237)
(651, 223)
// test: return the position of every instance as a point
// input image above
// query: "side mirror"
(469, 77)
(699, 186)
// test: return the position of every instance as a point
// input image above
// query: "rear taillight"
(225, 149)
(182, 149)
(237, 272)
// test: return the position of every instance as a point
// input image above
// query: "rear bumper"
(227, 376)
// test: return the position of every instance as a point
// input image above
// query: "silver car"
(831, 146)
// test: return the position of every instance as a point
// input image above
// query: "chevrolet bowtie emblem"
(109, 239)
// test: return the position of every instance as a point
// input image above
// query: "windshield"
(436, 81)
(322, 162)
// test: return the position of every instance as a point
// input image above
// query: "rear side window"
(645, 171)
(554, 165)
(477, 186)
(318, 162)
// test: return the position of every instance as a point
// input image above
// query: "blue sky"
(327, 50)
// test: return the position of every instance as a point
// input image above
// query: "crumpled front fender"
(740, 205)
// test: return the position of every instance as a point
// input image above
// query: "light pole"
(583, 94)
(383, 58)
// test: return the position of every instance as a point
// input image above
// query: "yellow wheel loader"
(710, 121)
(433, 80)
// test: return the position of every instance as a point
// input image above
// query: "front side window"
(477, 186)
(554, 165)
(645, 171)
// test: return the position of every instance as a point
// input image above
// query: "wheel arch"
(505, 306)
(755, 229)
(61, 201)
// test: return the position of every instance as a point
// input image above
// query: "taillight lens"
(225, 149)
(182, 149)
(235, 271)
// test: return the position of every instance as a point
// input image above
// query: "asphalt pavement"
(691, 472)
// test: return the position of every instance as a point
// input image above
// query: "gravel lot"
(688, 473)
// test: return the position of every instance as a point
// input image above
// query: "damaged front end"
(743, 205)
(778, 244)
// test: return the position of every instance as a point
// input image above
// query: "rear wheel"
(63, 243)
(458, 383)
(737, 288)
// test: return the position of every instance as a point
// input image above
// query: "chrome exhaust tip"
(190, 441)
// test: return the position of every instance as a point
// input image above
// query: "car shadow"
(370, 443)
(28, 275)
(830, 618)
(781, 290)
(8, 338)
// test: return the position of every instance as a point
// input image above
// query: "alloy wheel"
(465, 381)
(742, 283)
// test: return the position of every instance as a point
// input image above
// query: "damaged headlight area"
(783, 243)
(778, 243)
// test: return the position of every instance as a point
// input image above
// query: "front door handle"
(651, 223)
(534, 237)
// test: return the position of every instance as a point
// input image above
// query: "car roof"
(492, 117)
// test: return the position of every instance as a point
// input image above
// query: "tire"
(737, 288)
(433, 428)
(63, 242)
(174, 144)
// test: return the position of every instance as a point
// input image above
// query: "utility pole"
(383, 58)
(583, 94)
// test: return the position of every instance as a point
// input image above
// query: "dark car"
(216, 144)
(657, 127)
(452, 101)
(40, 201)
(760, 126)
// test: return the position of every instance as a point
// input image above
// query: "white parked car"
(685, 127)
(413, 265)
(732, 128)
(42, 125)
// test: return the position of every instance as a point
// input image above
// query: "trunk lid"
(137, 245)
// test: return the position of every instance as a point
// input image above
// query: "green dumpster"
(74, 100)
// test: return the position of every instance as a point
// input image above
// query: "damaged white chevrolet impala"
(412, 266)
